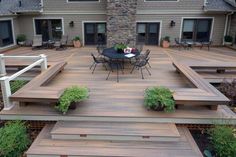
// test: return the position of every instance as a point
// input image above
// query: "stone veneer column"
(121, 22)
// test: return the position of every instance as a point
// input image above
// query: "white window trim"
(83, 33)
(160, 29)
(67, 1)
(49, 18)
(13, 33)
(212, 25)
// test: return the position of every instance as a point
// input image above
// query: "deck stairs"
(113, 139)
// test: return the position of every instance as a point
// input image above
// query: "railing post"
(44, 64)
(6, 93)
(2, 65)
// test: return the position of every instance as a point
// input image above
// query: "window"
(50, 29)
(197, 29)
(6, 35)
(83, 0)
(95, 33)
(161, 0)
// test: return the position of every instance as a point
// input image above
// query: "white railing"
(5, 80)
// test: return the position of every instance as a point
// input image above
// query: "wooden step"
(115, 131)
(44, 146)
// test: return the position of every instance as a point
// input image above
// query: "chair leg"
(148, 71)
(104, 65)
(92, 65)
(149, 64)
(117, 68)
(94, 68)
(108, 74)
(132, 69)
(141, 69)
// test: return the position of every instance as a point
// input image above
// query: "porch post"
(44, 64)
(6, 92)
(2, 65)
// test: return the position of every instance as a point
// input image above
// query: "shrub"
(228, 38)
(223, 139)
(21, 38)
(159, 97)
(16, 85)
(229, 90)
(13, 139)
(77, 38)
(166, 38)
(72, 94)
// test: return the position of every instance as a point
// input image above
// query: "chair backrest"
(100, 48)
(64, 39)
(94, 58)
(143, 62)
(38, 40)
(177, 41)
(147, 53)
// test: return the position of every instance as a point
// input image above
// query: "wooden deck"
(44, 146)
(114, 101)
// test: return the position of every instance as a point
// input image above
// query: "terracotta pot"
(165, 44)
(77, 43)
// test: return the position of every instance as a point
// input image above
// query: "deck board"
(124, 99)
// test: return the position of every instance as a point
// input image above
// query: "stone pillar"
(121, 22)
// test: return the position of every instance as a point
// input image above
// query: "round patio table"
(117, 59)
(111, 53)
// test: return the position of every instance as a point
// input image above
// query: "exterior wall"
(165, 6)
(175, 32)
(27, 27)
(233, 27)
(16, 31)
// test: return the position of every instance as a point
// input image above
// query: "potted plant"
(159, 99)
(120, 47)
(76, 42)
(21, 38)
(70, 97)
(228, 40)
(166, 42)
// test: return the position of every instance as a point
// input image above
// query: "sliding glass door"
(197, 29)
(6, 35)
(95, 33)
(50, 29)
(148, 33)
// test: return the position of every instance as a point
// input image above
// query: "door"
(197, 29)
(6, 35)
(95, 33)
(148, 33)
(50, 29)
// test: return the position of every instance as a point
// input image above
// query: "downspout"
(226, 25)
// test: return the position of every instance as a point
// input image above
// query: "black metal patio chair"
(115, 64)
(206, 44)
(144, 56)
(179, 43)
(140, 65)
(96, 61)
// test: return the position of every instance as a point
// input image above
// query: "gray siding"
(62, 5)
(180, 5)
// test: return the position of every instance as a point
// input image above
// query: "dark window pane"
(6, 35)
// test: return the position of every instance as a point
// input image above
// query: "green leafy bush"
(21, 38)
(223, 139)
(13, 139)
(166, 38)
(72, 94)
(228, 38)
(157, 98)
(77, 38)
(16, 85)
(120, 46)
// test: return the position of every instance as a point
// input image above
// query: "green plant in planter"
(157, 98)
(120, 46)
(21, 38)
(13, 139)
(70, 95)
(228, 38)
(223, 139)
(77, 38)
(166, 38)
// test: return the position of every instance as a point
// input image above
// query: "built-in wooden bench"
(202, 93)
(34, 91)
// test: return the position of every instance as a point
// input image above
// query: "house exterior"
(110, 21)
